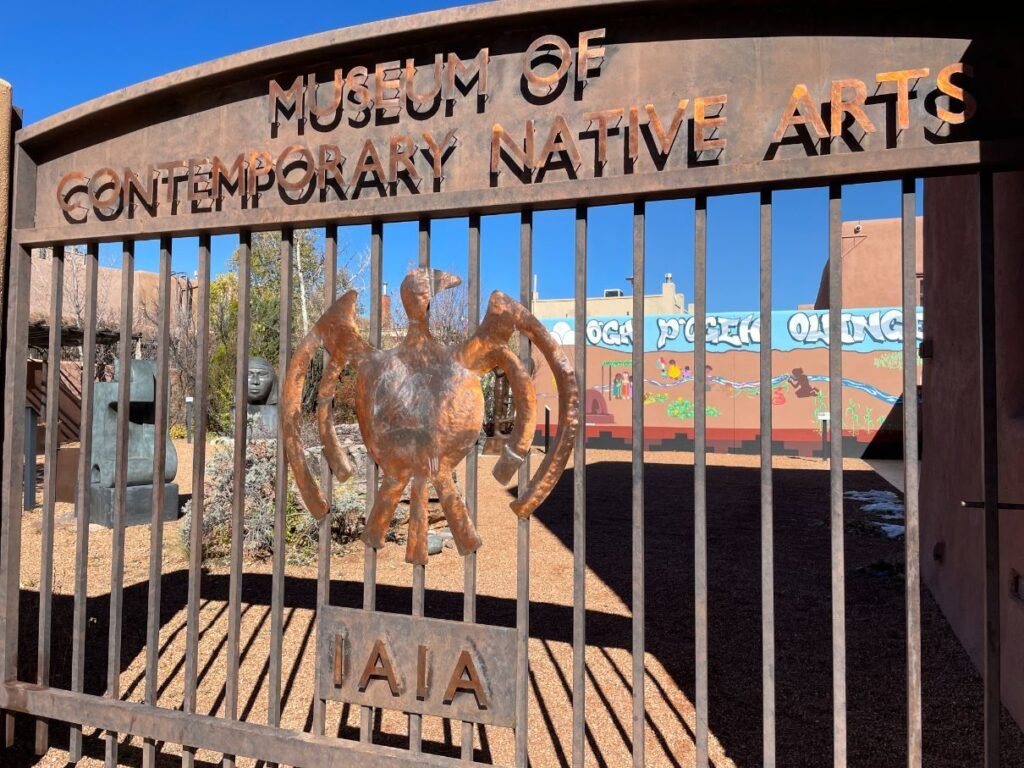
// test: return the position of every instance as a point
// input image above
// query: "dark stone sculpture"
(262, 399)
(142, 439)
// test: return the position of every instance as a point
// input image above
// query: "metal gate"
(670, 101)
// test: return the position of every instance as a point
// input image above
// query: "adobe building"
(616, 303)
(871, 264)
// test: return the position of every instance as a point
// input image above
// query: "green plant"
(869, 420)
(889, 360)
(851, 416)
(177, 432)
(682, 408)
(820, 407)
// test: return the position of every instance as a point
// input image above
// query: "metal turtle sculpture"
(420, 407)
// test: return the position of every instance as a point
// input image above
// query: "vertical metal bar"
(418, 571)
(523, 525)
(238, 502)
(323, 565)
(989, 462)
(156, 526)
(579, 550)
(835, 399)
(29, 452)
(50, 483)
(369, 553)
(639, 612)
(700, 528)
(195, 554)
(281, 492)
(469, 563)
(767, 500)
(120, 494)
(82, 505)
(19, 290)
(911, 478)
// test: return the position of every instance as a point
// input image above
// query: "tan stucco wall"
(951, 467)
(668, 302)
(871, 264)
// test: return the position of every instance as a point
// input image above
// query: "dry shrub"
(301, 529)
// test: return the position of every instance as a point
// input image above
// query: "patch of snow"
(890, 497)
(888, 510)
(892, 531)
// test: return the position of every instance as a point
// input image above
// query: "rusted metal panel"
(637, 101)
(79, 621)
(161, 422)
(277, 154)
(638, 603)
(195, 555)
(207, 732)
(49, 486)
(452, 669)
(838, 533)
(700, 523)
(238, 498)
(469, 563)
(992, 661)
(579, 507)
(323, 563)
(767, 491)
(911, 480)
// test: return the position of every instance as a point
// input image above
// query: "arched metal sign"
(500, 107)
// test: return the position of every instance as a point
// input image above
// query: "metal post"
(989, 462)
(31, 423)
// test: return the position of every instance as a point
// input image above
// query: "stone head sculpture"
(262, 388)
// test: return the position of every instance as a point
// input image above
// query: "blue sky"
(59, 54)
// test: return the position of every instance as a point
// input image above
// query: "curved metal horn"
(504, 314)
(337, 460)
(518, 443)
(336, 330)
(291, 405)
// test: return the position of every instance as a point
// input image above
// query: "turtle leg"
(464, 533)
(416, 546)
(383, 510)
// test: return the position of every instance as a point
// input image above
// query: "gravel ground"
(875, 626)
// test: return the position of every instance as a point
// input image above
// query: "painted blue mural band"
(864, 330)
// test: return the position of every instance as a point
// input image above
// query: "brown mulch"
(874, 615)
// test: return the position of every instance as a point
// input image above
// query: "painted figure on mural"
(662, 368)
(673, 370)
(687, 373)
(801, 384)
(708, 380)
(617, 387)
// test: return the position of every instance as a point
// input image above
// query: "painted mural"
(872, 380)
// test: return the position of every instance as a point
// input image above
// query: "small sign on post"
(825, 418)
(189, 407)
(449, 669)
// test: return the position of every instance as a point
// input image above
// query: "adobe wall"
(951, 468)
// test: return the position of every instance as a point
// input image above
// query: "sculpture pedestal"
(138, 504)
